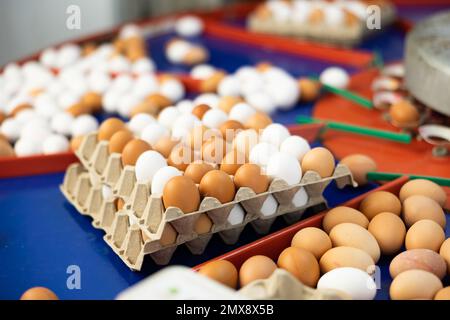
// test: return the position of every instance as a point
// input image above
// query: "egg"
(359, 166)
(335, 77)
(424, 234)
(189, 26)
(301, 264)
(269, 206)
(61, 123)
(389, 231)
(181, 192)
(352, 281)
(258, 121)
(309, 89)
(198, 135)
(256, 268)
(261, 101)
(425, 188)
(214, 150)
(183, 125)
(221, 271)
(229, 86)
(92, 100)
(313, 240)
(39, 293)
(202, 71)
(147, 164)
(133, 150)
(275, 134)
(203, 224)
(250, 176)
(120, 203)
(185, 106)
(340, 257)
(107, 192)
(227, 102)
(444, 251)
(232, 161)
(153, 132)
(165, 146)
(353, 235)
(200, 110)
(161, 177)
(197, 170)
(404, 114)
(139, 122)
(296, 146)
(261, 153)
(443, 294)
(173, 90)
(343, 214)
(229, 129)
(423, 259)
(245, 141)
(414, 284)
(119, 140)
(83, 124)
(284, 166)
(168, 236)
(217, 184)
(11, 129)
(55, 143)
(418, 207)
(6, 150)
(214, 118)
(236, 215)
(210, 99)
(27, 147)
(319, 160)
(75, 143)
(211, 83)
(380, 201)
(241, 112)
(168, 115)
(181, 156)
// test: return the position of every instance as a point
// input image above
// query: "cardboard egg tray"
(136, 229)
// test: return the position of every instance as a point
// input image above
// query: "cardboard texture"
(137, 229)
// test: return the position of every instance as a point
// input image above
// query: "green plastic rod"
(387, 176)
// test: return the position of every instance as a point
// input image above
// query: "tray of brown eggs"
(181, 185)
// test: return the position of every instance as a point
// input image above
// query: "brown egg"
(425, 234)
(165, 145)
(380, 201)
(145, 106)
(340, 257)
(2, 117)
(232, 161)
(181, 192)
(180, 157)
(389, 230)
(404, 114)
(39, 293)
(17, 109)
(197, 170)
(313, 240)
(418, 207)
(423, 259)
(229, 129)
(353, 235)
(168, 236)
(425, 188)
(263, 66)
(415, 284)
(214, 150)
(309, 89)
(211, 83)
(132, 150)
(203, 224)
(159, 101)
(78, 109)
(109, 127)
(320, 160)
(88, 48)
(92, 100)
(195, 55)
(226, 103)
(256, 268)
(317, 16)
(341, 215)
(75, 143)
(258, 121)
(199, 135)
(359, 165)
(301, 264)
(444, 251)
(221, 271)
(443, 294)
(6, 150)
(119, 140)
(217, 184)
(119, 203)
(351, 19)
(250, 175)
(200, 110)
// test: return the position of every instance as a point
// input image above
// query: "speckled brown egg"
(319, 160)
(165, 145)
(380, 201)
(256, 268)
(425, 234)
(109, 127)
(313, 240)
(389, 231)
(197, 170)
(425, 188)
(217, 184)
(250, 175)
(203, 224)
(359, 165)
(258, 121)
(180, 157)
(226, 103)
(232, 161)
(181, 192)
(39, 293)
(221, 271)
(200, 110)
(119, 140)
(309, 89)
(301, 264)
(132, 150)
(418, 207)
(343, 214)
(229, 129)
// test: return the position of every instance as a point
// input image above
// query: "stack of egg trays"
(136, 229)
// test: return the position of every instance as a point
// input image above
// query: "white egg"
(66, 99)
(153, 132)
(172, 89)
(138, 122)
(119, 64)
(229, 86)
(148, 164)
(11, 86)
(210, 99)
(17, 101)
(185, 106)
(130, 31)
(67, 55)
(110, 101)
(143, 65)
(269, 206)
(335, 77)
(48, 57)
(107, 192)
(296, 146)
(358, 284)
(202, 71)
(98, 81)
(84, 124)
(12, 71)
(122, 83)
(27, 147)
(261, 153)
(35, 130)
(25, 115)
(301, 11)
(241, 112)
(177, 50)
(246, 73)
(284, 166)
(285, 94)
(161, 177)
(358, 8)
(261, 101)
(249, 86)
(189, 26)
(281, 11)
(300, 198)
(55, 143)
(214, 118)
(11, 129)
(145, 85)
(245, 141)
(184, 124)
(275, 134)
(62, 123)
(126, 104)
(168, 115)
(46, 105)
(236, 215)
(54, 88)
(334, 15)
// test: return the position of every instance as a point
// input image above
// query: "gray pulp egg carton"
(136, 230)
